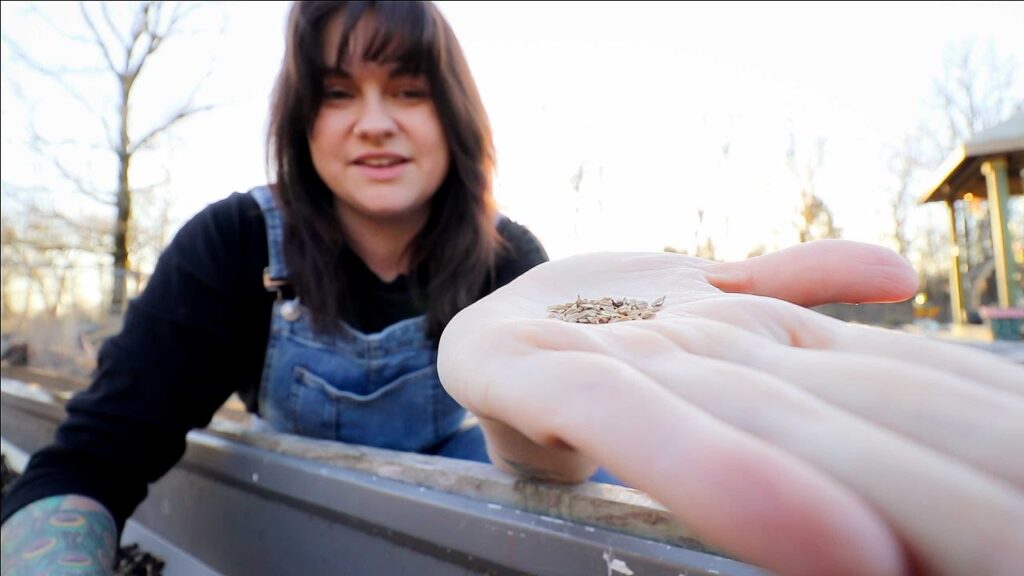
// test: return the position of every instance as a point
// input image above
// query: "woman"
(319, 299)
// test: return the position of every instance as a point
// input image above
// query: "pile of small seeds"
(605, 310)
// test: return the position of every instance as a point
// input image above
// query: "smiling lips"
(381, 166)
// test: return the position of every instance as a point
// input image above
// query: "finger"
(821, 272)
(971, 422)
(956, 416)
(956, 359)
(794, 326)
(735, 491)
(954, 518)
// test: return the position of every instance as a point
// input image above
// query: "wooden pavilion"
(989, 166)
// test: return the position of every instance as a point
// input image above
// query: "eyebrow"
(406, 68)
(339, 73)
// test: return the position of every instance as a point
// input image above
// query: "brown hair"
(453, 255)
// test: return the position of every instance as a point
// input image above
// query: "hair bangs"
(399, 33)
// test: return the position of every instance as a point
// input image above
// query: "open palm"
(790, 439)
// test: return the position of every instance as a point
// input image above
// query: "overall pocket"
(401, 415)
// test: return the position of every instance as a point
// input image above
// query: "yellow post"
(998, 184)
(956, 292)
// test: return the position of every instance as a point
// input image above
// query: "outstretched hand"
(787, 438)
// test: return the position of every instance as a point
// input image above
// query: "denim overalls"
(375, 389)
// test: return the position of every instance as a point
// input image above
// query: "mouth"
(381, 167)
(380, 160)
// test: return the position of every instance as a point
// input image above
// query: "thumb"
(821, 272)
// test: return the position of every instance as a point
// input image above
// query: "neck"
(382, 245)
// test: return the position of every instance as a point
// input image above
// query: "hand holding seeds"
(783, 437)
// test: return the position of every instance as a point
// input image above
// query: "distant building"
(989, 166)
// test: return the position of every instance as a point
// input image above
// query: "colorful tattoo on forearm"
(59, 535)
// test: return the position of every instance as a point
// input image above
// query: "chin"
(391, 212)
(385, 204)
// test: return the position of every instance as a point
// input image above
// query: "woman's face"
(377, 141)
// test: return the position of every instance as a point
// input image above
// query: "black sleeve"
(524, 252)
(187, 343)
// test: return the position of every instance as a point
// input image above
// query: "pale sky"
(643, 95)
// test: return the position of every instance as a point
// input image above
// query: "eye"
(411, 89)
(337, 88)
(414, 94)
(335, 93)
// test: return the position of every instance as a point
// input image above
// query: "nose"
(375, 122)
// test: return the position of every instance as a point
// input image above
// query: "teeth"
(380, 161)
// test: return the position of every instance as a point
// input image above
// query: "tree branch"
(186, 111)
(38, 143)
(56, 76)
(98, 39)
(179, 14)
(53, 26)
(153, 29)
(139, 27)
(105, 11)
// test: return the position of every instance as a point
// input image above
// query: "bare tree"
(41, 254)
(702, 246)
(10, 260)
(904, 166)
(977, 90)
(576, 181)
(759, 250)
(125, 48)
(815, 220)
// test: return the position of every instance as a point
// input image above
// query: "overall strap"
(275, 276)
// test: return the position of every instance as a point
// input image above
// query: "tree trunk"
(124, 211)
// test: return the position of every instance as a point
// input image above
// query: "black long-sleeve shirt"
(197, 334)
